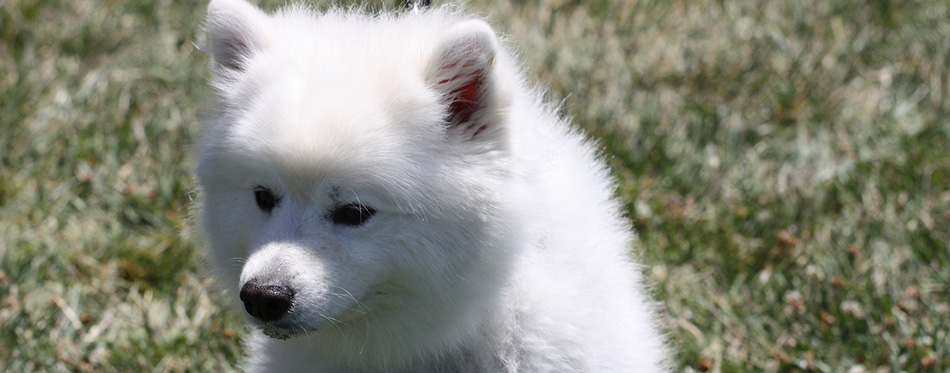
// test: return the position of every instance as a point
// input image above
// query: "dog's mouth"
(300, 320)
(288, 327)
(277, 332)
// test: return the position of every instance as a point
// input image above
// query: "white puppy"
(385, 193)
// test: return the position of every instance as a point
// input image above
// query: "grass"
(787, 165)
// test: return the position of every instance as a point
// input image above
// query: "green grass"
(787, 165)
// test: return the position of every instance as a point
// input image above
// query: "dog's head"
(354, 171)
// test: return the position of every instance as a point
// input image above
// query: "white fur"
(496, 243)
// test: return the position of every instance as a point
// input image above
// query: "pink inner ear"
(463, 77)
(465, 100)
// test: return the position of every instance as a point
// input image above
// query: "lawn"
(786, 164)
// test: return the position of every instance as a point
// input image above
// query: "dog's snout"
(266, 302)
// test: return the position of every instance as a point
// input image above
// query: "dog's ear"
(236, 31)
(461, 71)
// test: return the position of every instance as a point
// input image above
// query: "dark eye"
(266, 199)
(352, 215)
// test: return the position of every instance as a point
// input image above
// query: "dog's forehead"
(310, 135)
(352, 102)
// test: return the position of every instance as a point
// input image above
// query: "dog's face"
(349, 182)
(311, 208)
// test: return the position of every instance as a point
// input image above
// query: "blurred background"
(786, 164)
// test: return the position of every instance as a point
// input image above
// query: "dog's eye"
(352, 215)
(266, 199)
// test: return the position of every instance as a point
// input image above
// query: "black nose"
(266, 302)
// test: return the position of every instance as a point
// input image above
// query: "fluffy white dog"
(386, 193)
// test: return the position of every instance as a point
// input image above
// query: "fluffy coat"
(386, 193)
